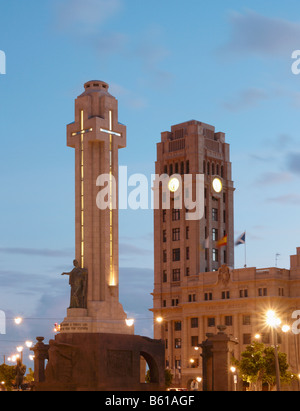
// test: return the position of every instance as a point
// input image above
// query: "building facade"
(196, 287)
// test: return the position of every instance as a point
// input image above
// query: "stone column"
(40, 355)
(217, 353)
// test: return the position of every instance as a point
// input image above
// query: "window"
(246, 320)
(176, 254)
(225, 295)
(215, 254)
(164, 236)
(164, 215)
(187, 232)
(211, 322)
(194, 341)
(244, 293)
(175, 214)
(281, 292)
(176, 234)
(187, 271)
(188, 167)
(208, 296)
(246, 338)
(178, 364)
(175, 302)
(265, 338)
(262, 292)
(192, 298)
(176, 274)
(215, 214)
(164, 303)
(225, 256)
(164, 256)
(165, 277)
(177, 342)
(187, 254)
(215, 234)
(182, 167)
(194, 322)
(228, 320)
(177, 326)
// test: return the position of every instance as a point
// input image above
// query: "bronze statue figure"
(20, 372)
(78, 283)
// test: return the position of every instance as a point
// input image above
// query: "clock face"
(217, 185)
(173, 184)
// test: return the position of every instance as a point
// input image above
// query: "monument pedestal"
(100, 317)
(101, 362)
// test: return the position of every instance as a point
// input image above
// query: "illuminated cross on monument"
(96, 136)
(112, 281)
(81, 134)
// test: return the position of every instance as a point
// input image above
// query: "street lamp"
(273, 322)
(233, 370)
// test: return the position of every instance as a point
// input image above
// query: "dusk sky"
(226, 63)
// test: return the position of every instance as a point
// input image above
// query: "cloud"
(92, 23)
(288, 199)
(85, 17)
(293, 162)
(36, 252)
(262, 35)
(271, 178)
(247, 98)
(130, 98)
(128, 249)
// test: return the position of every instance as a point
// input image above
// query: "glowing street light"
(129, 322)
(273, 322)
(159, 319)
(286, 328)
(18, 320)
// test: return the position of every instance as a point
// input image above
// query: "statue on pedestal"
(78, 283)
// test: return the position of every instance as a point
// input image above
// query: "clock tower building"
(185, 247)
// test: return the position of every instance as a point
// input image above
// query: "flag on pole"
(241, 239)
(222, 242)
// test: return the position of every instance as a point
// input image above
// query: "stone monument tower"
(95, 349)
(96, 137)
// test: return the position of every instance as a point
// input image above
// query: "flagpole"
(245, 251)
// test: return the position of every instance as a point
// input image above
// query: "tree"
(168, 378)
(257, 366)
(7, 375)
